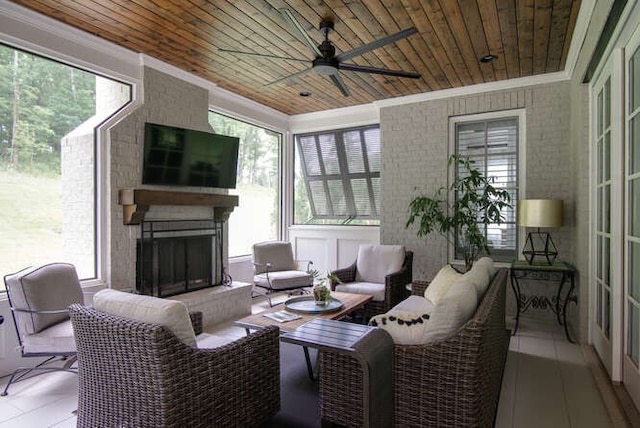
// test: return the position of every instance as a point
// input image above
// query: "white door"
(631, 358)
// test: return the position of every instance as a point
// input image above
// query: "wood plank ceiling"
(527, 37)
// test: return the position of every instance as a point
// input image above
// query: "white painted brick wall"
(416, 148)
(167, 101)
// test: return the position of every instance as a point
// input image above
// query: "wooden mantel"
(136, 202)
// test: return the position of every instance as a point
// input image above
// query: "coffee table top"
(350, 303)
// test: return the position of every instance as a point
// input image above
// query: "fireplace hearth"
(178, 256)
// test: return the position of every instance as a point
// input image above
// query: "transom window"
(338, 176)
(492, 145)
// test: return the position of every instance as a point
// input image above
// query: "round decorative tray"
(307, 305)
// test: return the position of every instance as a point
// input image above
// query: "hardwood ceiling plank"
(509, 36)
(488, 14)
(542, 24)
(423, 24)
(525, 14)
(460, 29)
(560, 15)
(527, 37)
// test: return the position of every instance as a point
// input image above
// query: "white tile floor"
(547, 383)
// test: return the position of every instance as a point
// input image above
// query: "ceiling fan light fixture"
(487, 58)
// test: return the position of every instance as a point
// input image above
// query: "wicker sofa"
(456, 381)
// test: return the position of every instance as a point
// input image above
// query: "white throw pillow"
(484, 271)
(441, 283)
(405, 328)
(454, 309)
(171, 314)
(377, 261)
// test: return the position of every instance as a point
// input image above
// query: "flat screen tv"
(185, 157)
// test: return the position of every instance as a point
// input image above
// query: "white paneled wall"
(330, 247)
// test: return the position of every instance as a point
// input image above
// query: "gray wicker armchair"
(395, 284)
(136, 374)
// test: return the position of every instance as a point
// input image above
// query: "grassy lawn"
(30, 220)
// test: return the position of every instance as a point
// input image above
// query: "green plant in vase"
(476, 204)
(321, 289)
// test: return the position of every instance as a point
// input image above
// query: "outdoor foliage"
(40, 102)
(476, 203)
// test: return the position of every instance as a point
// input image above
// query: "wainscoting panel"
(331, 247)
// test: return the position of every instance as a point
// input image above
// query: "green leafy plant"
(476, 203)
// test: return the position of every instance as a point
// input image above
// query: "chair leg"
(256, 293)
(22, 373)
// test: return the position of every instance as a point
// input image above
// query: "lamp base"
(539, 245)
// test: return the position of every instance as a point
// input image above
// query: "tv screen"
(185, 157)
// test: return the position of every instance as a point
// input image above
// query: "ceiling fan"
(326, 62)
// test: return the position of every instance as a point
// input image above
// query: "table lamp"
(540, 213)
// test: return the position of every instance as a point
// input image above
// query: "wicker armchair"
(141, 375)
(455, 382)
(394, 285)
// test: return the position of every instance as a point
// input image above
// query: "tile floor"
(547, 383)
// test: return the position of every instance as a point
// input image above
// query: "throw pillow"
(441, 283)
(455, 308)
(405, 328)
(171, 314)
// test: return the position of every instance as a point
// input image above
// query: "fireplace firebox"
(178, 256)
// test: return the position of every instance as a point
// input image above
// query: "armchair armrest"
(347, 274)
(196, 321)
(418, 287)
(29, 311)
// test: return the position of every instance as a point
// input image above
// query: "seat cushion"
(373, 289)
(283, 280)
(413, 305)
(404, 328)
(58, 338)
(374, 262)
(441, 283)
(50, 287)
(454, 309)
(277, 253)
(171, 314)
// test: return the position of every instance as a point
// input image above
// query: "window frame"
(520, 116)
(344, 176)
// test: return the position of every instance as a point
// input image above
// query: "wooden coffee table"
(350, 303)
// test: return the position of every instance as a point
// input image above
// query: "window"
(257, 185)
(492, 145)
(338, 177)
(48, 116)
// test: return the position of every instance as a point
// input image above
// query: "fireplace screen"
(178, 256)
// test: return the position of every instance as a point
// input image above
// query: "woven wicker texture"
(135, 374)
(456, 382)
(395, 285)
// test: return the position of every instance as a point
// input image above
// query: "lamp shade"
(540, 212)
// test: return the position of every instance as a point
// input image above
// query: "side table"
(558, 272)
(360, 391)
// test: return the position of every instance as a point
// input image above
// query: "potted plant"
(321, 289)
(475, 204)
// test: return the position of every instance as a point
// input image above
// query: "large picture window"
(257, 184)
(492, 144)
(48, 118)
(338, 176)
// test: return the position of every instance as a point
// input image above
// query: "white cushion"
(455, 308)
(374, 262)
(210, 341)
(413, 305)
(172, 314)
(58, 338)
(404, 328)
(373, 289)
(282, 280)
(441, 283)
(483, 271)
(278, 254)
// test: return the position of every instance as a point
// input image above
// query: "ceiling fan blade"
(286, 13)
(376, 44)
(262, 55)
(337, 80)
(375, 70)
(291, 76)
